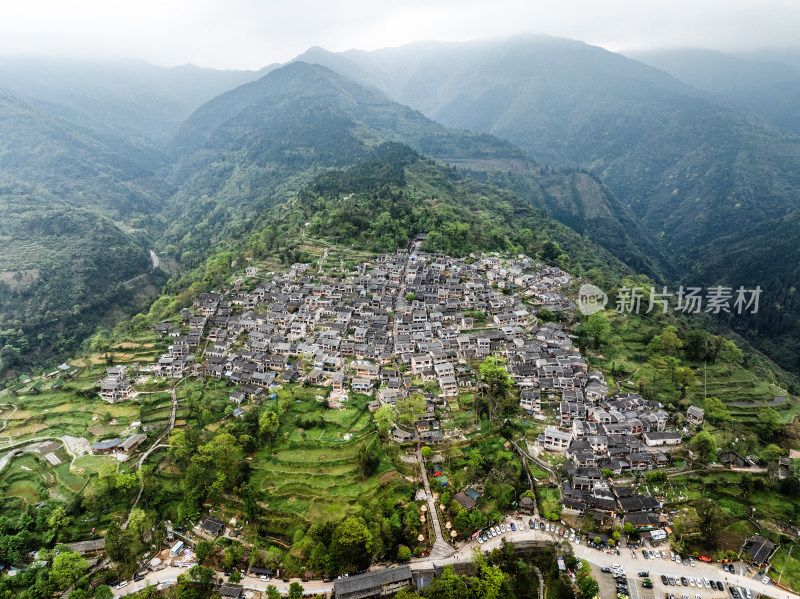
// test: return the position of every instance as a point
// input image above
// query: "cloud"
(252, 33)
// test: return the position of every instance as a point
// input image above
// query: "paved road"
(630, 564)
(170, 575)
(441, 547)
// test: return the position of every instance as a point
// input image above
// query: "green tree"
(352, 541)
(272, 592)
(705, 446)
(715, 411)
(68, 566)
(235, 577)
(368, 460)
(268, 425)
(427, 452)
(628, 528)
(769, 423)
(497, 382)
(385, 418)
(296, 591)
(103, 592)
(403, 553)
(667, 343)
(598, 329)
(202, 550)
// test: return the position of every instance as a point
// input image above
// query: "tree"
(352, 541)
(598, 328)
(710, 519)
(58, 519)
(296, 591)
(410, 297)
(667, 343)
(463, 522)
(715, 411)
(685, 377)
(497, 382)
(385, 418)
(628, 528)
(268, 425)
(427, 452)
(403, 553)
(368, 460)
(202, 550)
(235, 577)
(136, 524)
(68, 566)
(272, 592)
(705, 446)
(769, 423)
(103, 592)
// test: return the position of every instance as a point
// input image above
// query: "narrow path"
(5, 420)
(155, 446)
(542, 588)
(441, 548)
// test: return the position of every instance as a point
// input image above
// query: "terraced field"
(313, 474)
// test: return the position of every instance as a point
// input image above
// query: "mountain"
(74, 219)
(257, 144)
(130, 99)
(695, 173)
(260, 143)
(395, 193)
(767, 89)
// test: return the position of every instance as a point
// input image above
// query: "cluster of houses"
(399, 318)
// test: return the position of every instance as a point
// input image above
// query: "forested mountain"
(256, 144)
(382, 202)
(767, 89)
(129, 99)
(75, 216)
(698, 175)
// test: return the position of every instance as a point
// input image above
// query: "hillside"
(74, 218)
(766, 89)
(694, 173)
(127, 99)
(256, 145)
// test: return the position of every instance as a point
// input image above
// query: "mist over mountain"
(768, 89)
(696, 173)
(130, 99)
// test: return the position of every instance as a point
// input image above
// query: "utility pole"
(790, 555)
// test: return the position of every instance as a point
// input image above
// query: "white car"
(123, 584)
(577, 540)
(766, 580)
(691, 582)
(706, 583)
(691, 562)
(480, 540)
(502, 528)
(572, 537)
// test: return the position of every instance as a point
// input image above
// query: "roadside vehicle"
(122, 585)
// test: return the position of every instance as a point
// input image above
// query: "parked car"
(513, 527)
(643, 574)
(123, 584)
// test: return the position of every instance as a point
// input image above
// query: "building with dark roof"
(373, 584)
(230, 590)
(214, 526)
(760, 549)
(106, 446)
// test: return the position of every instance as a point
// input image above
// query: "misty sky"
(252, 33)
